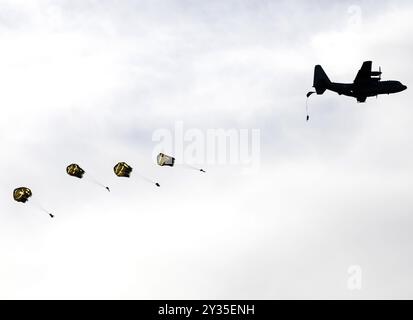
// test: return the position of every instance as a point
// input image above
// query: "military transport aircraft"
(366, 84)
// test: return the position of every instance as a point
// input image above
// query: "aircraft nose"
(404, 87)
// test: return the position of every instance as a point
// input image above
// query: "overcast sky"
(90, 82)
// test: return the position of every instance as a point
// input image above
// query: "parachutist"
(157, 184)
(51, 216)
(107, 188)
(306, 103)
(202, 170)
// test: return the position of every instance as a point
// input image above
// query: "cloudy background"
(90, 81)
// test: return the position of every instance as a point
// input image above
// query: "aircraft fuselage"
(369, 89)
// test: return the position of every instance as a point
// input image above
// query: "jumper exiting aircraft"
(366, 84)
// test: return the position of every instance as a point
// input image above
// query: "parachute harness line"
(165, 160)
(306, 104)
(193, 168)
(122, 169)
(147, 179)
(75, 170)
(40, 207)
(23, 194)
(95, 181)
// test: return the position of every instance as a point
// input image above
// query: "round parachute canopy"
(122, 169)
(165, 160)
(22, 194)
(75, 171)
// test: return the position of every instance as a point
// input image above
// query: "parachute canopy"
(165, 160)
(22, 194)
(122, 169)
(75, 170)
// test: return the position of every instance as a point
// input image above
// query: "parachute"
(123, 170)
(23, 194)
(75, 170)
(165, 160)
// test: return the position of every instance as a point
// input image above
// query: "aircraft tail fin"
(321, 80)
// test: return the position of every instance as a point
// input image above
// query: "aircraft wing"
(364, 73)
